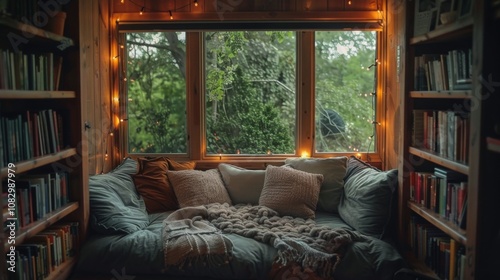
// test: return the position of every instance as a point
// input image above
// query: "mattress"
(140, 254)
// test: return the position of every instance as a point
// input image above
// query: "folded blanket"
(187, 238)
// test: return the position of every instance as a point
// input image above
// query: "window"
(156, 88)
(252, 85)
(250, 92)
(345, 81)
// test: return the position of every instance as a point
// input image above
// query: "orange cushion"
(152, 183)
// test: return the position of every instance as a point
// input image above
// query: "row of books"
(443, 192)
(448, 71)
(30, 134)
(21, 71)
(45, 252)
(36, 196)
(443, 132)
(444, 255)
(25, 9)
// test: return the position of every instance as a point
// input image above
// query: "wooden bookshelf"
(435, 158)
(56, 54)
(38, 36)
(36, 94)
(64, 270)
(36, 227)
(448, 227)
(464, 94)
(472, 31)
(445, 33)
(28, 165)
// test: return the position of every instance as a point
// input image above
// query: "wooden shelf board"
(35, 94)
(445, 32)
(38, 226)
(29, 31)
(461, 94)
(433, 157)
(63, 271)
(27, 165)
(446, 226)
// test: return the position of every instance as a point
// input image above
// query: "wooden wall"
(394, 16)
(96, 86)
(208, 6)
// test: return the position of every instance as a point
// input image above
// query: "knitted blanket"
(297, 240)
(188, 238)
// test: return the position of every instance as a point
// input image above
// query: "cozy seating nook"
(229, 139)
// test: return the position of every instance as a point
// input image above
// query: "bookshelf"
(464, 141)
(42, 157)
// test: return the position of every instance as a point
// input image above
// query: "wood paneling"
(395, 69)
(224, 6)
(98, 93)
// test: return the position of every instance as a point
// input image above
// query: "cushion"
(196, 187)
(333, 171)
(115, 205)
(291, 192)
(244, 186)
(152, 184)
(367, 197)
(174, 165)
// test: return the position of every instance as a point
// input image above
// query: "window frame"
(305, 88)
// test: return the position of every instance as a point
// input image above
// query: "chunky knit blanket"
(297, 240)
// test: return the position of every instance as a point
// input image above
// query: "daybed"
(308, 219)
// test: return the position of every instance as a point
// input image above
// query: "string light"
(143, 7)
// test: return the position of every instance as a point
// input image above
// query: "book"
(493, 144)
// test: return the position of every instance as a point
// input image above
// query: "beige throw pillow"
(244, 186)
(196, 187)
(291, 192)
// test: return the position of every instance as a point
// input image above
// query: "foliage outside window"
(250, 92)
(343, 94)
(156, 87)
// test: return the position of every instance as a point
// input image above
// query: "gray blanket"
(297, 240)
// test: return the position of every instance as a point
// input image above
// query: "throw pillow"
(333, 171)
(152, 184)
(244, 186)
(291, 192)
(196, 187)
(367, 198)
(115, 205)
(175, 165)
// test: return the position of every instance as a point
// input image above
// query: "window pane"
(250, 92)
(156, 87)
(344, 104)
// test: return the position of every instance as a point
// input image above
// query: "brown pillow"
(174, 165)
(291, 192)
(152, 184)
(196, 187)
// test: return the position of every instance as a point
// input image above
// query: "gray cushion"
(243, 185)
(115, 205)
(367, 197)
(291, 192)
(333, 171)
